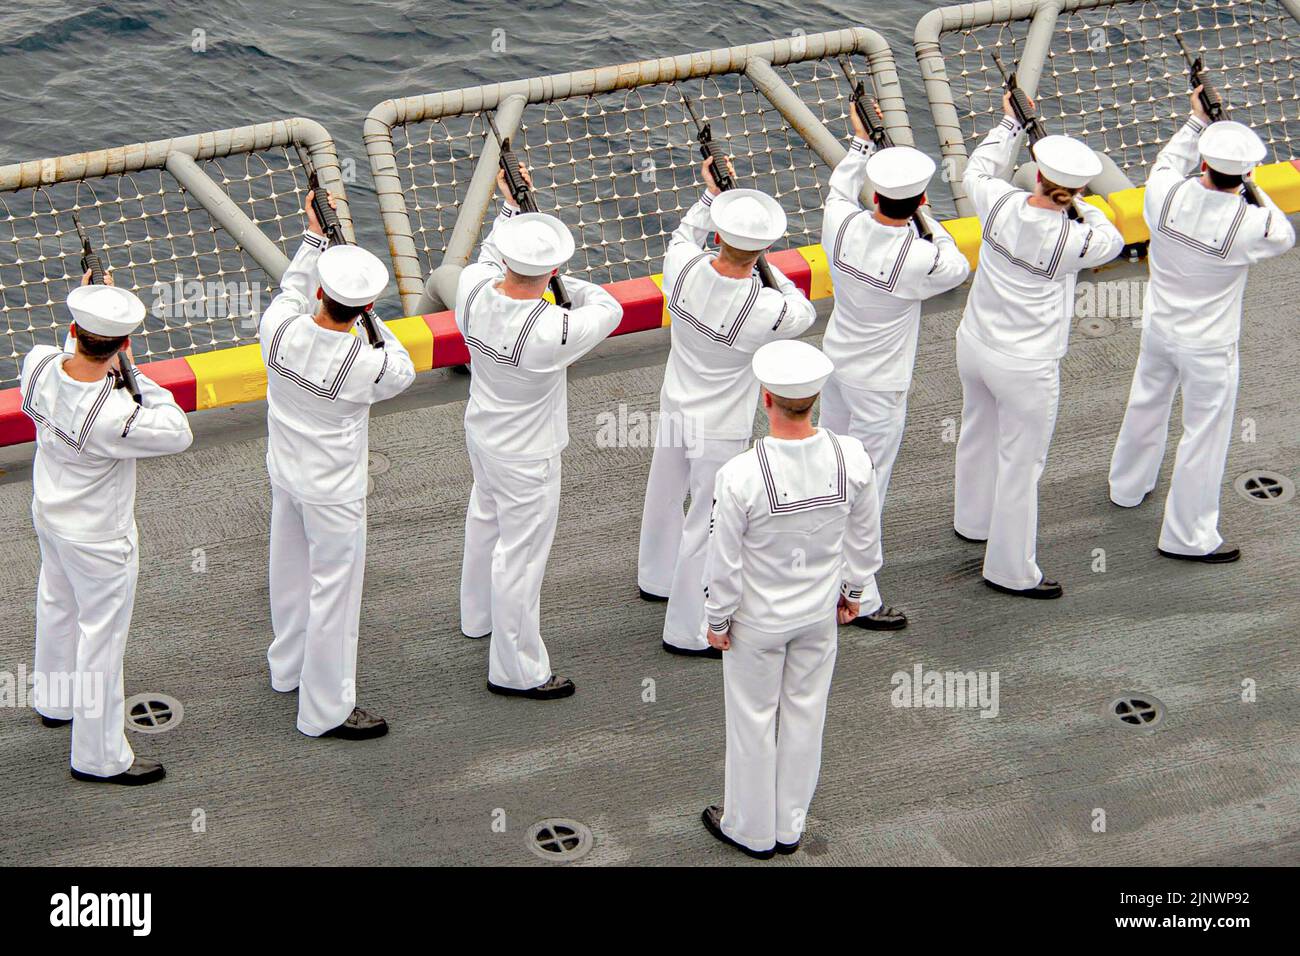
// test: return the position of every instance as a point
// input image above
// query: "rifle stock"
(90, 262)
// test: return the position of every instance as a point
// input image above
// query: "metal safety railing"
(195, 225)
(1109, 72)
(612, 151)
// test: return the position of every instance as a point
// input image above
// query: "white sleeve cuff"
(311, 239)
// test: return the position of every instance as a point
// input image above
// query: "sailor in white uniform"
(322, 379)
(1011, 339)
(516, 426)
(881, 271)
(794, 548)
(88, 436)
(721, 314)
(1204, 237)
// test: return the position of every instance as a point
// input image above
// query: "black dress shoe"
(142, 771)
(785, 849)
(653, 598)
(712, 817)
(554, 688)
(970, 540)
(710, 651)
(360, 725)
(55, 721)
(1044, 590)
(1220, 555)
(1141, 501)
(882, 619)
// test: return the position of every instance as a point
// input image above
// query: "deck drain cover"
(153, 713)
(1096, 327)
(560, 841)
(1266, 486)
(1138, 710)
(378, 464)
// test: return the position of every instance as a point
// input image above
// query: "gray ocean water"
(83, 75)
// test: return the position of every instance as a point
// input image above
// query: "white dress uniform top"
(1203, 242)
(881, 274)
(709, 395)
(320, 386)
(1012, 336)
(516, 426)
(796, 524)
(88, 436)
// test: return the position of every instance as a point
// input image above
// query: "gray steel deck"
(1219, 782)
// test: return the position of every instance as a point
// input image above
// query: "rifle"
(1028, 118)
(1213, 105)
(522, 194)
(865, 106)
(710, 149)
(329, 220)
(91, 263)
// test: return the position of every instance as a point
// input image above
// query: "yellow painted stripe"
(820, 284)
(966, 233)
(1127, 204)
(228, 376)
(415, 334)
(1282, 183)
(1101, 204)
(658, 280)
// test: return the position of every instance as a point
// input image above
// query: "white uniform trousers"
(1007, 418)
(509, 527)
(673, 547)
(771, 775)
(873, 417)
(1209, 383)
(318, 564)
(84, 597)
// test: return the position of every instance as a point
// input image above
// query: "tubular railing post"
(889, 92)
(378, 138)
(947, 125)
(803, 120)
(227, 214)
(1029, 68)
(440, 288)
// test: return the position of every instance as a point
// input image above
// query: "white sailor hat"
(1231, 148)
(534, 243)
(792, 369)
(748, 219)
(105, 310)
(1066, 161)
(900, 172)
(351, 276)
